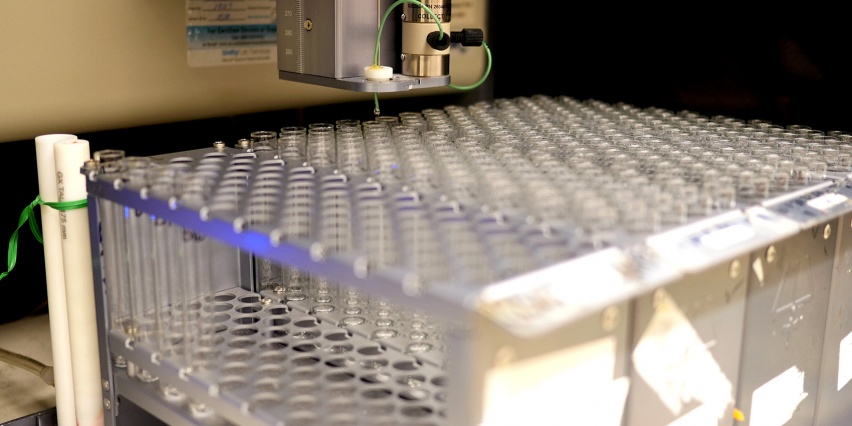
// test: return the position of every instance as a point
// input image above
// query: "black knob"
(468, 37)
(433, 40)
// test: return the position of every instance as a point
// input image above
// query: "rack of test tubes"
(507, 262)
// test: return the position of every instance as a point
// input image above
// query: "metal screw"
(734, 270)
(827, 231)
(609, 318)
(105, 384)
(107, 404)
(279, 289)
(218, 144)
(317, 251)
(309, 24)
(239, 225)
(199, 409)
(770, 254)
(119, 361)
(265, 301)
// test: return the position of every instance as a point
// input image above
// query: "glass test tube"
(351, 152)
(138, 230)
(114, 244)
(166, 259)
(262, 210)
(194, 190)
(322, 147)
(292, 143)
(297, 223)
(264, 141)
(138, 249)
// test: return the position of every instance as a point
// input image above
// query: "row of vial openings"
(388, 228)
(399, 229)
(478, 160)
(603, 185)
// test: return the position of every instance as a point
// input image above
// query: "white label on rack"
(757, 267)
(728, 236)
(532, 304)
(699, 416)
(827, 201)
(678, 365)
(574, 383)
(775, 401)
(844, 367)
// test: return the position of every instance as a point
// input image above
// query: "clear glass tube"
(138, 252)
(322, 146)
(114, 244)
(264, 141)
(167, 286)
(351, 151)
(292, 143)
(347, 122)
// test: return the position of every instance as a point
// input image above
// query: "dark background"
(787, 66)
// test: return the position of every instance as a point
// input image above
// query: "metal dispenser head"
(424, 52)
(330, 42)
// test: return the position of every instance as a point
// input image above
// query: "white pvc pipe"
(55, 274)
(70, 155)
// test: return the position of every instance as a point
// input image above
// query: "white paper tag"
(532, 304)
(844, 367)
(674, 361)
(574, 383)
(827, 201)
(757, 267)
(700, 416)
(774, 402)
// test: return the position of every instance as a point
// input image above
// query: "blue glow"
(254, 242)
(127, 212)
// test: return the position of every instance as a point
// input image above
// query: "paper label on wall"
(844, 367)
(774, 402)
(673, 360)
(235, 32)
(574, 383)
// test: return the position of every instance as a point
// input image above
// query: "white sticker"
(727, 236)
(574, 383)
(844, 367)
(774, 402)
(700, 416)
(757, 267)
(827, 201)
(532, 304)
(678, 365)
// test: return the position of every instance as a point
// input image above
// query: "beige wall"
(87, 65)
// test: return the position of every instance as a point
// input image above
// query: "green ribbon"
(28, 216)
